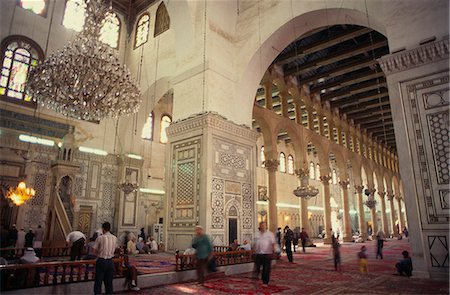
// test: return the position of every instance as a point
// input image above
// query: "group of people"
(20, 239)
(141, 247)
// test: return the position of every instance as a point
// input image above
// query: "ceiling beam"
(372, 118)
(360, 98)
(348, 80)
(337, 56)
(355, 89)
(316, 46)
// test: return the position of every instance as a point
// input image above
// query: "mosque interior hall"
(328, 117)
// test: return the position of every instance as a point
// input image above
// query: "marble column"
(383, 212)
(362, 218)
(347, 224)
(272, 166)
(268, 95)
(401, 222)
(373, 214)
(390, 197)
(326, 207)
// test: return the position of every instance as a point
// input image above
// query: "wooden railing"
(186, 262)
(221, 248)
(11, 253)
(19, 276)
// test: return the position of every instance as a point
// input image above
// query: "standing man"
(304, 238)
(76, 240)
(38, 239)
(105, 246)
(288, 238)
(264, 248)
(13, 235)
(203, 247)
(380, 243)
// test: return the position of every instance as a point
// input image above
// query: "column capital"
(370, 191)
(359, 188)
(302, 172)
(325, 179)
(398, 197)
(271, 165)
(390, 196)
(382, 194)
(344, 183)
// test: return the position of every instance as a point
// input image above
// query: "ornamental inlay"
(438, 127)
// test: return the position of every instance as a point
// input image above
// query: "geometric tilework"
(247, 205)
(438, 127)
(438, 247)
(185, 183)
(231, 160)
(217, 203)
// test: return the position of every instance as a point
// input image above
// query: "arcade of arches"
(239, 98)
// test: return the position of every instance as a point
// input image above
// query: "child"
(363, 260)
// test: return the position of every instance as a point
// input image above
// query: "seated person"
(189, 251)
(29, 256)
(90, 249)
(141, 246)
(404, 267)
(131, 246)
(152, 245)
(234, 245)
(246, 246)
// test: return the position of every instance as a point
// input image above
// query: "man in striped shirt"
(105, 246)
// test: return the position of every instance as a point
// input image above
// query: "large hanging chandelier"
(128, 187)
(304, 191)
(370, 202)
(85, 80)
(20, 194)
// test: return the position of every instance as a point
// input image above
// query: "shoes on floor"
(135, 288)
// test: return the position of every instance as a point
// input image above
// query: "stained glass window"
(162, 21)
(282, 163)
(142, 29)
(311, 171)
(19, 58)
(165, 122)
(35, 6)
(290, 164)
(147, 130)
(74, 15)
(263, 157)
(109, 33)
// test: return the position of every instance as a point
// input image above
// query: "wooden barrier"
(19, 276)
(187, 262)
(12, 253)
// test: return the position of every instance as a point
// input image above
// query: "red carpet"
(313, 273)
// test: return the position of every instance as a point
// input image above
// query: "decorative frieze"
(416, 57)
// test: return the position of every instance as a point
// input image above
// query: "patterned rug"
(313, 273)
(153, 263)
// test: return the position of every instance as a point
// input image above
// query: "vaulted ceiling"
(339, 63)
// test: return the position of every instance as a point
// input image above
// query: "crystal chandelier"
(128, 187)
(20, 194)
(370, 202)
(304, 190)
(85, 80)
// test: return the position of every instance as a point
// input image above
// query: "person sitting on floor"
(152, 245)
(29, 256)
(141, 246)
(404, 267)
(234, 246)
(246, 246)
(131, 246)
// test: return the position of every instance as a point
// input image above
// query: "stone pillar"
(321, 127)
(383, 212)
(401, 222)
(362, 218)
(272, 166)
(326, 207)
(298, 112)
(268, 95)
(284, 104)
(210, 180)
(347, 224)
(310, 118)
(303, 201)
(390, 197)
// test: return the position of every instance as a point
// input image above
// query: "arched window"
(36, 6)
(334, 176)
(311, 171)
(282, 163)
(74, 15)
(317, 171)
(165, 122)
(262, 156)
(110, 31)
(142, 29)
(162, 22)
(290, 164)
(20, 55)
(147, 130)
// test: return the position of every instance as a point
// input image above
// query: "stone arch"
(269, 136)
(296, 137)
(262, 56)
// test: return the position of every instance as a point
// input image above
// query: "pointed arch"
(162, 22)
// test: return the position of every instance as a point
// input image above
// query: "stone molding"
(405, 60)
(212, 120)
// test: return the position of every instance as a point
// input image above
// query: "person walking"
(380, 243)
(288, 238)
(105, 246)
(304, 238)
(13, 236)
(336, 253)
(76, 240)
(362, 260)
(203, 252)
(264, 248)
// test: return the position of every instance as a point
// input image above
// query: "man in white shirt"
(105, 246)
(264, 248)
(152, 245)
(76, 240)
